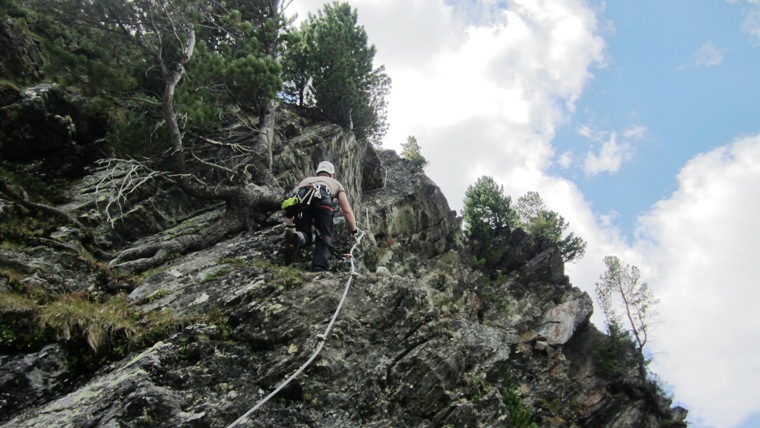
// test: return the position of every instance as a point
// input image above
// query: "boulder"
(562, 321)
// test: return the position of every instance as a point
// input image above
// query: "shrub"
(519, 415)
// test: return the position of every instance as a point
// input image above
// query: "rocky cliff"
(422, 339)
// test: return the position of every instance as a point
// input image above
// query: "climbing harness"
(304, 196)
(321, 337)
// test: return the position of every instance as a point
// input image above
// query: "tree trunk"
(238, 210)
(241, 200)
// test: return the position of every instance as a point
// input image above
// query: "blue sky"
(688, 74)
(638, 121)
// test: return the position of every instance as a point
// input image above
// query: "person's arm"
(348, 213)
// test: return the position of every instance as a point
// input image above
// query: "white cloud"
(483, 87)
(708, 56)
(612, 151)
(751, 24)
(611, 155)
(565, 160)
(635, 133)
(702, 247)
(491, 99)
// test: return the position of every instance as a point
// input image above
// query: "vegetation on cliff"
(213, 98)
(174, 78)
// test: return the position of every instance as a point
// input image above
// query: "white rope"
(322, 338)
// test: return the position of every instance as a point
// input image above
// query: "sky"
(637, 121)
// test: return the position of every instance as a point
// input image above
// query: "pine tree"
(175, 69)
(487, 209)
(540, 221)
(332, 61)
(411, 152)
(621, 288)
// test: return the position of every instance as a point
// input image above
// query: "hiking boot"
(292, 242)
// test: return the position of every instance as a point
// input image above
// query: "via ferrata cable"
(321, 337)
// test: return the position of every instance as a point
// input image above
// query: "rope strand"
(322, 338)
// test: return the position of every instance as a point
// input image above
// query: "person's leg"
(301, 237)
(304, 221)
(323, 222)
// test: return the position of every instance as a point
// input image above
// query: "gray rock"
(20, 58)
(47, 125)
(421, 340)
(408, 214)
(29, 379)
(562, 321)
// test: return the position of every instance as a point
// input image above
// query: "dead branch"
(22, 198)
(121, 183)
(212, 165)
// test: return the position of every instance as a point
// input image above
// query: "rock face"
(356, 164)
(422, 339)
(20, 59)
(409, 212)
(47, 125)
(405, 350)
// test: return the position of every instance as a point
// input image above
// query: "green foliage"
(519, 415)
(487, 209)
(16, 303)
(614, 354)
(93, 332)
(239, 57)
(216, 317)
(411, 151)
(38, 188)
(18, 322)
(158, 295)
(333, 53)
(218, 274)
(624, 296)
(7, 337)
(8, 86)
(477, 262)
(282, 276)
(552, 405)
(157, 325)
(121, 54)
(8, 7)
(538, 220)
(295, 64)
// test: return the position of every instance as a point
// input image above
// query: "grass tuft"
(73, 316)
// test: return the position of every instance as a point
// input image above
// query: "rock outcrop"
(408, 213)
(422, 339)
(20, 58)
(48, 129)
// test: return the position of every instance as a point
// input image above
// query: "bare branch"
(123, 177)
(622, 283)
(212, 165)
(22, 199)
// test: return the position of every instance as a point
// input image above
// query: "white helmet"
(327, 167)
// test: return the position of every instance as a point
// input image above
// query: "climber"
(311, 205)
